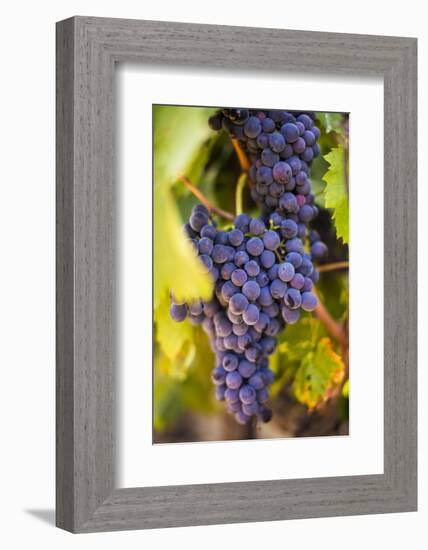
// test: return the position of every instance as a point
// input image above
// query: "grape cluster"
(263, 275)
(281, 146)
(262, 279)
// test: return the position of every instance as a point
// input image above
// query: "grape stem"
(238, 193)
(211, 207)
(332, 267)
(242, 157)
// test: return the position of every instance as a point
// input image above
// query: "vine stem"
(334, 328)
(238, 193)
(242, 157)
(211, 207)
(332, 267)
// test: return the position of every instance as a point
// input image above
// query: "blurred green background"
(310, 394)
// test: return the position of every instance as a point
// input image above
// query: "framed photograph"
(236, 274)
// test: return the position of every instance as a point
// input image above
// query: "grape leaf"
(319, 374)
(172, 336)
(178, 135)
(336, 194)
(332, 122)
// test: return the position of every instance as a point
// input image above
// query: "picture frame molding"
(87, 50)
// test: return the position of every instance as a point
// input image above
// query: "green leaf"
(179, 135)
(336, 194)
(320, 372)
(332, 122)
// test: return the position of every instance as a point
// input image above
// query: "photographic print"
(251, 264)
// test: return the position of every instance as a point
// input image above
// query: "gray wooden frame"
(87, 50)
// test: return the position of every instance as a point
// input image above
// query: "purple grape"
(239, 277)
(269, 157)
(294, 258)
(233, 380)
(257, 227)
(265, 298)
(219, 393)
(276, 142)
(238, 304)
(293, 298)
(251, 314)
(288, 229)
(252, 268)
(278, 289)
(288, 203)
(231, 395)
(282, 172)
(318, 250)
(247, 394)
(218, 376)
(264, 175)
(253, 353)
(262, 323)
(244, 341)
(206, 261)
(262, 141)
(268, 125)
(241, 258)
(197, 220)
(228, 290)
(294, 245)
(240, 329)
(290, 131)
(178, 312)
(286, 272)
(255, 246)
(220, 253)
(252, 127)
(227, 270)
(250, 409)
(251, 290)
(246, 369)
(262, 395)
(297, 281)
(267, 259)
(236, 237)
(196, 308)
(242, 222)
(205, 246)
(305, 120)
(299, 146)
(208, 231)
(262, 279)
(309, 301)
(230, 362)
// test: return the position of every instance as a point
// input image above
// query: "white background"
(359, 453)
(27, 285)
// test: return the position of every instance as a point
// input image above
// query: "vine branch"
(206, 202)
(334, 328)
(332, 267)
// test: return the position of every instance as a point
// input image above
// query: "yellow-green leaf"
(178, 136)
(336, 192)
(176, 267)
(320, 372)
(172, 336)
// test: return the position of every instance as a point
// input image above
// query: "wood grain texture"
(87, 50)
